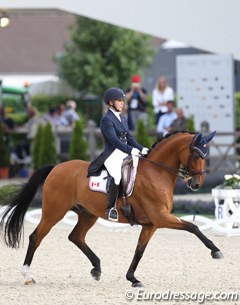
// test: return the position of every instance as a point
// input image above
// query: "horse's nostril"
(197, 186)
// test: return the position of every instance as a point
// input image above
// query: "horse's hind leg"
(77, 236)
(35, 239)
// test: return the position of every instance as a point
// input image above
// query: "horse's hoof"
(29, 281)
(217, 254)
(96, 274)
(137, 284)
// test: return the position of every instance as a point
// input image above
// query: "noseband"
(185, 172)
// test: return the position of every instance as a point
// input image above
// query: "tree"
(47, 153)
(141, 134)
(101, 55)
(35, 149)
(78, 145)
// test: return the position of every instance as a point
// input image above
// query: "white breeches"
(113, 164)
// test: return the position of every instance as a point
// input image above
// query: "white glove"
(135, 152)
(144, 151)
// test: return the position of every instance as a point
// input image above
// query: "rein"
(181, 173)
(171, 170)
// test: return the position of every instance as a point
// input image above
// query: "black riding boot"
(112, 213)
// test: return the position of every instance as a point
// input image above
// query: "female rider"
(118, 145)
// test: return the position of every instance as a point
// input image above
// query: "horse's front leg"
(169, 221)
(145, 236)
(192, 228)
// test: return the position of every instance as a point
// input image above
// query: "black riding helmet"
(113, 94)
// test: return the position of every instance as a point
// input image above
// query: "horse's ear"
(209, 137)
(198, 138)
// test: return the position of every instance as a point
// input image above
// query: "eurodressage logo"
(200, 297)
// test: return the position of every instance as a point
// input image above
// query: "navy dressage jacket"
(116, 136)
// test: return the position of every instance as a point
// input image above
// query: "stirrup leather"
(109, 214)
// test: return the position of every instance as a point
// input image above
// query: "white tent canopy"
(52, 88)
(209, 25)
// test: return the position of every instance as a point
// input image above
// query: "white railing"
(70, 218)
(218, 226)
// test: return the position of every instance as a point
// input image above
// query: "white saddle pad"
(99, 183)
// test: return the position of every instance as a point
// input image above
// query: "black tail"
(16, 210)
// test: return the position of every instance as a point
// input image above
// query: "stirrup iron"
(109, 215)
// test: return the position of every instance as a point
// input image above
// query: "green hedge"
(7, 191)
(190, 124)
(142, 136)
(44, 102)
(89, 108)
(237, 109)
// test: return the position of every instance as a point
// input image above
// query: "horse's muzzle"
(194, 184)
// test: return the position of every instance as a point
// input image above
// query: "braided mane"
(168, 135)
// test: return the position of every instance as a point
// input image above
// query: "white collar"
(117, 114)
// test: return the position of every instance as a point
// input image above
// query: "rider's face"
(119, 105)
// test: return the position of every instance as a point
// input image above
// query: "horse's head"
(193, 160)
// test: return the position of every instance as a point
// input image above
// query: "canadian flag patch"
(99, 183)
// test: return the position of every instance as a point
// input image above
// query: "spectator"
(166, 120)
(160, 96)
(179, 124)
(33, 122)
(51, 117)
(70, 114)
(23, 147)
(60, 118)
(136, 98)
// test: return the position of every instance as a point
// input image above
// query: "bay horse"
(65, 188)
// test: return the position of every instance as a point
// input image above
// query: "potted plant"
(227, 203)
(4, 157)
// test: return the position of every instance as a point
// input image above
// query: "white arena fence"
(70, 218)
(219, 227)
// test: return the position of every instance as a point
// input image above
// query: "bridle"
(194, 149)
(184, 172)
